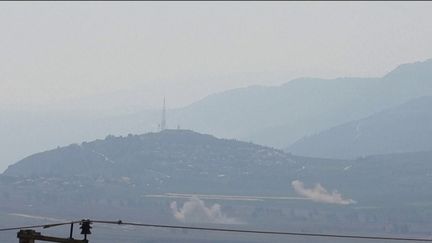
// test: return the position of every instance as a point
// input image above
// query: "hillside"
(158, 161)
(139, 177)
(404, 128)
(184, 161)
(278, 116)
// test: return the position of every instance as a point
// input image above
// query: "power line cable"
(119, 222)
(39, 226)
(262, 232)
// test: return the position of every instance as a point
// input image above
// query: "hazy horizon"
(54, 54)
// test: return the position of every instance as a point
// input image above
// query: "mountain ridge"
(403, 128)
(274, 116)
(271, 115)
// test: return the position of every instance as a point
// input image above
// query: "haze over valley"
(221, 122)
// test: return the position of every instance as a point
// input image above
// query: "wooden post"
(30, 236)
(25, 236)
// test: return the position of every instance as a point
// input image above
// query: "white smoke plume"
(320, 194)
(195, 211)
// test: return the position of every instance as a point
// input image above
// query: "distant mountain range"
(404, 128)
(271, 116)
(278, 116)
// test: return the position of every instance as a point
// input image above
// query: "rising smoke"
(195, 211)
(320, 194)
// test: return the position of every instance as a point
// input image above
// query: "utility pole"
(30, 236)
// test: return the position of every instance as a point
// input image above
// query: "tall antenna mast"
(163, 122)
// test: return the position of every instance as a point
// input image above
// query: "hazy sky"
(51, 52)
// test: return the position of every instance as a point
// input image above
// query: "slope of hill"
(278, 116)
(158, 160)
(188, 162)
(404, 128)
